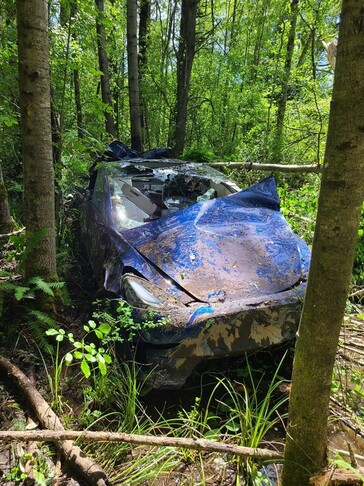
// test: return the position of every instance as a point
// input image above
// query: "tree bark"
(34, 85)
(150, 440)
(340, 201)
(144, 18)
(283, 96)
(133, 76)
(185, 56)
(104, 68)
(267, 167)
(6, 221)
(76, 76)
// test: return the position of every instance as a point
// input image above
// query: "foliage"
(358, 274)
(28, 290)
(32, 465)
(125, 327)
(89, 357)
(198, 154)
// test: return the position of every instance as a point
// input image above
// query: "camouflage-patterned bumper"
(218, 331)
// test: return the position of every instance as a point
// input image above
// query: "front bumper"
(218, 331)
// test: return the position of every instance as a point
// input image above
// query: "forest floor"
(346, 428)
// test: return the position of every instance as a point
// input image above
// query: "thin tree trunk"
(6, 221)
(133, 76)
(104, 68)
(76, 77)
(283, 97)
(144, 18)
(34, 84)
(340, 202)
(185, 56)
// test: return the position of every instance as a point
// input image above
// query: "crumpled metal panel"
(238, 246)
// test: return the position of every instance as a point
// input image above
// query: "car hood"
(234, 247)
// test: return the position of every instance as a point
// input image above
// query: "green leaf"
(77, 355)
(40, 284)
(92, 324)
(105, 328)
(51, 332)
(102, 368)
(85, 368)
(20, 292)
(99, 334)
(68, 359)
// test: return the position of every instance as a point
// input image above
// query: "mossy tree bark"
(34, 87)
(340, 201)
(6, 221)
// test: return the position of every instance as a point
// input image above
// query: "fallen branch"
(267, 167)
(12, 233)
(195, 444)
(86, 467)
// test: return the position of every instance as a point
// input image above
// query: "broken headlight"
(139, 292)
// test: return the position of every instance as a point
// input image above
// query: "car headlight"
(139, 292)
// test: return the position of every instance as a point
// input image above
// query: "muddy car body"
(221, 264)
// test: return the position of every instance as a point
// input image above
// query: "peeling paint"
(271, 333)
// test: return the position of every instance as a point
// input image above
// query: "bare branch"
(185, 443)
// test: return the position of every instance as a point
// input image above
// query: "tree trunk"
(282, 100)
(34, 87)
(76, 77)
(144, 18)
(133, 76)
(6, 221)
(340, 201)
(185, 55)
(104, 68)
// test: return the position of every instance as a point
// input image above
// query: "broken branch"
(267, 167)
(195, 444)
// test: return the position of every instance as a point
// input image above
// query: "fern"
(44, 318)
(42, 285)
(37, 325)
(34, 239)
(24, 244)
(22, 292)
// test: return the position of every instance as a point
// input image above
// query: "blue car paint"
(252, 245)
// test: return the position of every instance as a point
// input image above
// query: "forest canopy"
(260, 83)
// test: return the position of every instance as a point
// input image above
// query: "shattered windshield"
(140, 194)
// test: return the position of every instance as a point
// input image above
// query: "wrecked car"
(220, 264)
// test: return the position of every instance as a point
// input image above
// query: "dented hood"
(234, 247)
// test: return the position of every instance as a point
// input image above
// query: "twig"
(6, 235)
(358, 292)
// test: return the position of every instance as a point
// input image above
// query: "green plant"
(31, 465)
(341, 463)
(198, 154)
(87, 354)
(9, 284)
